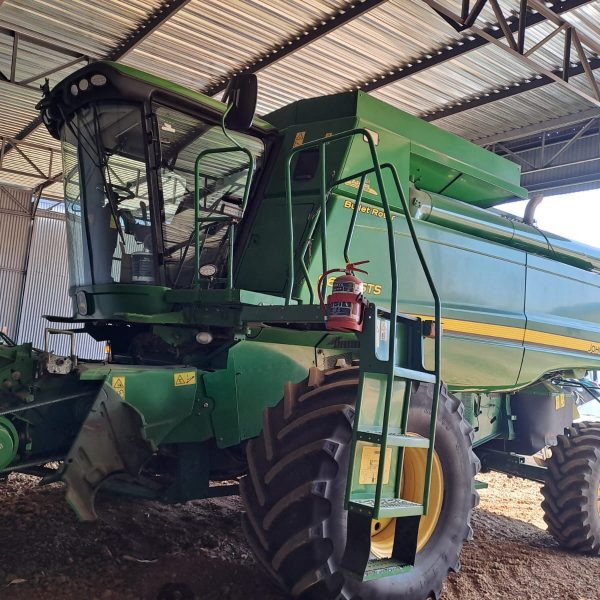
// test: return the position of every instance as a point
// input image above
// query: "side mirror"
(241, 96)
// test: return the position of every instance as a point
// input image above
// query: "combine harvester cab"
(205, 249)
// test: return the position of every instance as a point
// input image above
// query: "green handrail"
(437, 341)
(359, 195)
(378, 170)
(321, 144)
(198, 220)
(437, 327)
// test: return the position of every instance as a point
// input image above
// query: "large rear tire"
(572, 489)
(294, 493)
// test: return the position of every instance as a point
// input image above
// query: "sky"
(574, 216)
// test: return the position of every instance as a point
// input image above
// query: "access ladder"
(391, 362)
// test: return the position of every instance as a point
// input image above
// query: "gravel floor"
(139, 547)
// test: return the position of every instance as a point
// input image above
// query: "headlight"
(98, 80)
(204, 337)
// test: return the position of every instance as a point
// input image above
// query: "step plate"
(413, 375)
(385, 567)
(393, 440)
(389, 508)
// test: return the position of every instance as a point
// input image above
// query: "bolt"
(205, 405)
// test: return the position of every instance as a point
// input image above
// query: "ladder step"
(414, 375)
(384, 567)
(389, 508)
(394, 440)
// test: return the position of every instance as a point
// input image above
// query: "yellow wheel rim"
(413, 485)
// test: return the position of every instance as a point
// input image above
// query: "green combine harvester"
(222, 259)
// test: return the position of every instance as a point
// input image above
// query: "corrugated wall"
(15, 228)
(46, 289)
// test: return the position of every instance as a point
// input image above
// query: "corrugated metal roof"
(208, 39)
(92, 27)
(215, 38)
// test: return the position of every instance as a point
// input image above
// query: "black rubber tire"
(294, 493)
(571, 489)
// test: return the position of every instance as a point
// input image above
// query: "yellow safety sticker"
(355, 183)
(299, 139)
(118, 384)
(369, 465)
(185, 378)
(560, 401)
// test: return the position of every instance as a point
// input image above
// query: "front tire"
(295, 520)
(572, 489)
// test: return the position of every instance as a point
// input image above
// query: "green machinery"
(198, 238)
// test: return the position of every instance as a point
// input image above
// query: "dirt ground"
(137, 548)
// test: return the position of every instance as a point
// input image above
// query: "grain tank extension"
(353, 410)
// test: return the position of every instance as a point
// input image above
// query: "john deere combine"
(218, 256)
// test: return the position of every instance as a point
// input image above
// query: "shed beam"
(147, 27)
(299, 41)
(541, 75)
(453, 50)
(504, 92)
(531, 130)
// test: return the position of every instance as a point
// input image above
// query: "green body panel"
(256, 375)
(16, 371)
(439, 160)
(479, 259)
(165, 396)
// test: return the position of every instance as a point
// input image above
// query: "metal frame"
(547, 150)
(74, 58)
(504, 39)
(549, 125)
(510, 34)
(463, 46)
(38, 172)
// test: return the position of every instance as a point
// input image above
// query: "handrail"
(378, 170)
(438, 336)
(320, 143)
(198, 220)
(437, 317)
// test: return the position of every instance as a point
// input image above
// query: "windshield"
(108, 212)
(116, 231)
(222, 180)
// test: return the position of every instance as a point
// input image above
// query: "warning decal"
(299, 139)
(185, 378)
(118, 384)
(369, 465)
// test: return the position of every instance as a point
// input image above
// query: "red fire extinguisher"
(345, 306)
